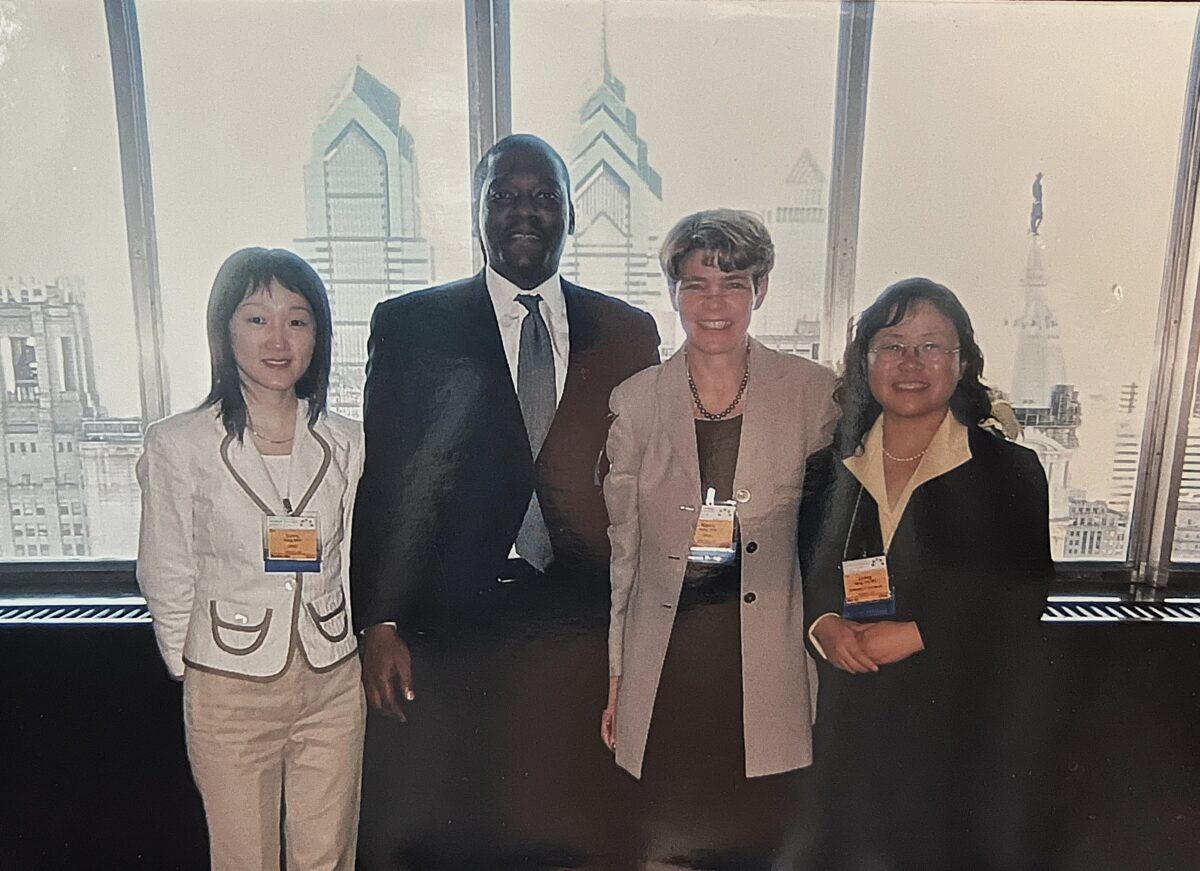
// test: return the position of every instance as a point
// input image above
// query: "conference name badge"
(292, 544)
(712, 542)
(868, 590)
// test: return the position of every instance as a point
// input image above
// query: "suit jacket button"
(751, 547)
(749, 598)
(742, 494)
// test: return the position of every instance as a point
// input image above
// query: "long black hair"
(246, 272)
(971, 402)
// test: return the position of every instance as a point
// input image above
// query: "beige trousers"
(289, 747)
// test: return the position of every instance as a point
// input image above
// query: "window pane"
(313, 126)
(661, 109)
(1186, 544)
(69, 403)
(1083, 102)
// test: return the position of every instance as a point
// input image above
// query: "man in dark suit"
(480, 533)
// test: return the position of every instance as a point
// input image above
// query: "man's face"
(525, 215)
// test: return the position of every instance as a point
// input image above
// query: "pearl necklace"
(704, 412)
(893, 457)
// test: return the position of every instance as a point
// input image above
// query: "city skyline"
(950, 151)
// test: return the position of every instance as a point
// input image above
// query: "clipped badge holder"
(868, 590)
(712, 542)
(291, 544)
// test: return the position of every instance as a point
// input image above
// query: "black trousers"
(500, 765)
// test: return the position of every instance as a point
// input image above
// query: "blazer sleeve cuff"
(812, 639)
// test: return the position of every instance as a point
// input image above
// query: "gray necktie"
(537, 396)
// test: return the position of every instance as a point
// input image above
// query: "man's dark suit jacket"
(448, 470)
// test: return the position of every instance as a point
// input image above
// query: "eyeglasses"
(894, 352)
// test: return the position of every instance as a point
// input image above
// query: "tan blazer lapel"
(675, 412)
(760, 437)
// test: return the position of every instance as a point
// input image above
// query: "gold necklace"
(258, 435)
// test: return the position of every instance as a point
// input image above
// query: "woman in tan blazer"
(711, 689)
(243, 559)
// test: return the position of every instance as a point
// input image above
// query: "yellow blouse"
(948, 449)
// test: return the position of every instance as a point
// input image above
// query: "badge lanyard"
(292, 541)
(865, 583)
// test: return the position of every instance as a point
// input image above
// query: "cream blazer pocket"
(241, 631)
(325, 629)
(330, 616)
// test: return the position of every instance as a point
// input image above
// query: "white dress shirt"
(510, 313)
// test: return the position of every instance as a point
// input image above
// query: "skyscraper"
(47, 389)
(1187, 519)
(618, 205)
(1127, 443)
(1099, 529)
(363, 221)
(790, 317)
(109, 448)
(1096, 530)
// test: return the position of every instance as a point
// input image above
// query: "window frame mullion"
(489, 80)
(1173, 377)
(845, 176)
(133, 137)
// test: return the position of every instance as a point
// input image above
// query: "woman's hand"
(608, 719)
(842, 641)
(890, 641)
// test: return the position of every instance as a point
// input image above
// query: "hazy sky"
(60, 186)
(967, 102)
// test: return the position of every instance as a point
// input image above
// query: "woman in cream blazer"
(665, 451)
(200, 562)
(273, 705)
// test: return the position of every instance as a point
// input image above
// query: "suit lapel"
(479, 330)
(581, 327)
(481, 341)
(675, 411)
(759, 443)
(581, 330)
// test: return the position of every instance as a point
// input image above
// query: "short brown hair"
(735, 239)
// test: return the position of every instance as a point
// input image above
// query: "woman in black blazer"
(927, 563)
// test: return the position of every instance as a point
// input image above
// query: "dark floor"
(94, 773)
